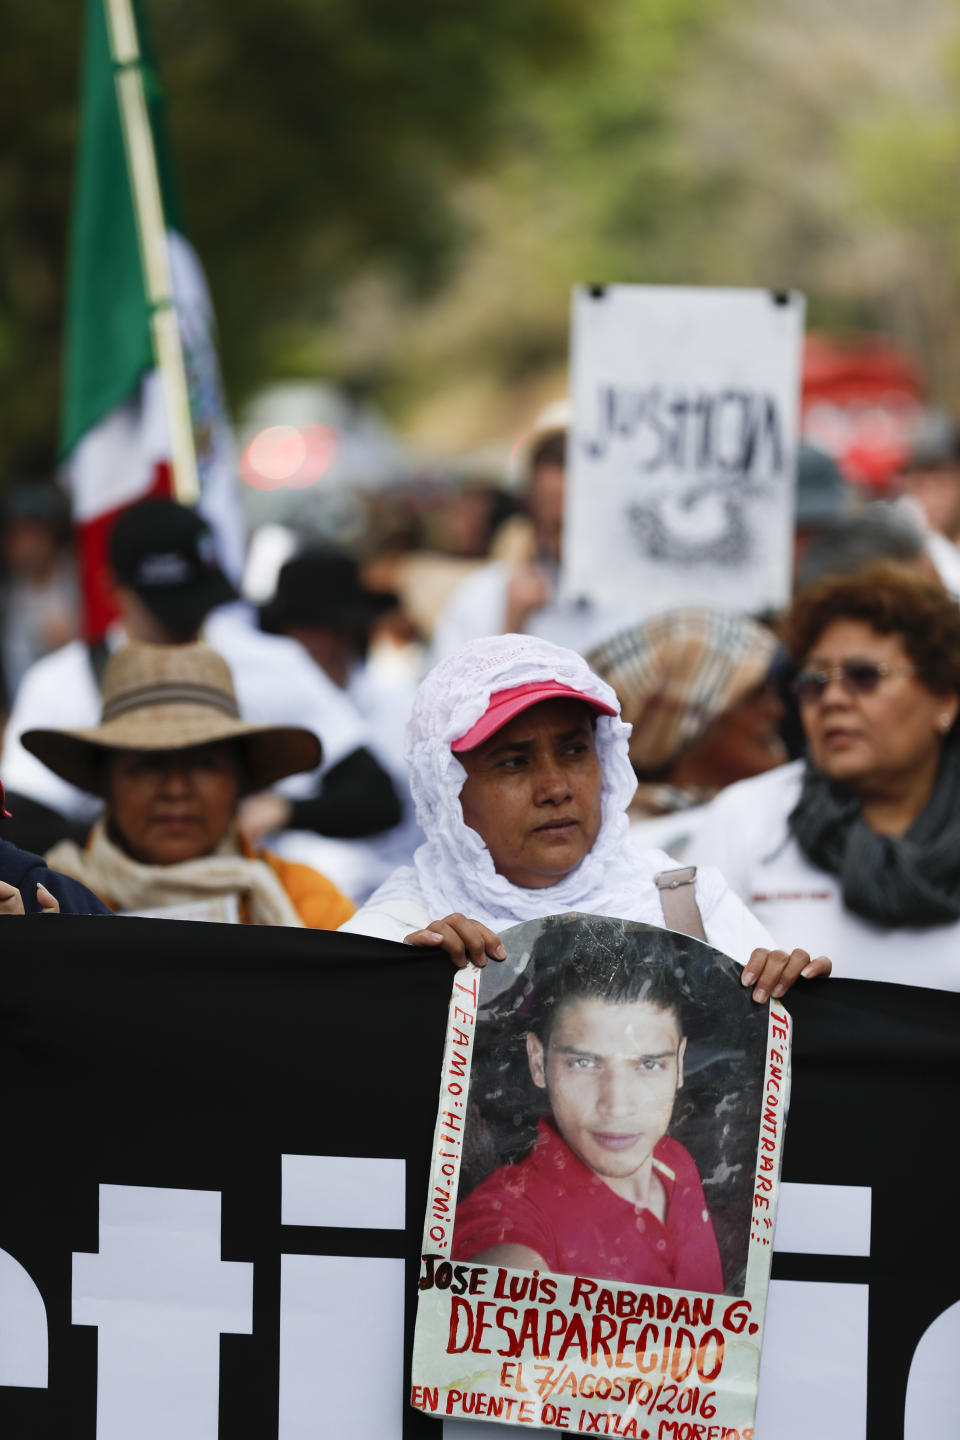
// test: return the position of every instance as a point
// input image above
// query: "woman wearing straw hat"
(171, 759)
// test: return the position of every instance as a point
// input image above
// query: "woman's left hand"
(772, 972)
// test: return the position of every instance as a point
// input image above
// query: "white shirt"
(942, 551)
(730, 927)
(675, 833)
(276, 682)
(744, 831)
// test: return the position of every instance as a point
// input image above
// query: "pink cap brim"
(506, 704)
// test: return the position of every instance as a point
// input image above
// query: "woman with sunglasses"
(856, 850)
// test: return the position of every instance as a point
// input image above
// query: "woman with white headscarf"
(521, 778)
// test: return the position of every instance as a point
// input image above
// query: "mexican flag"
(143, 410)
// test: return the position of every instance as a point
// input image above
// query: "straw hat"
(171, 697)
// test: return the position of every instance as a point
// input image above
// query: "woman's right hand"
(528, 589)
(261, 815)
(464, 940)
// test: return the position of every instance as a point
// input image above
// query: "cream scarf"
(129, 885)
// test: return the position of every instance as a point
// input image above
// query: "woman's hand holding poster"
(597, 1242)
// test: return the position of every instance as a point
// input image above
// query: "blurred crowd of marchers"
(41, 600)
(363, 610)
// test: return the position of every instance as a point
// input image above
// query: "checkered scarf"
(678, 672)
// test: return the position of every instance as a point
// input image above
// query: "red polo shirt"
(557, 1206)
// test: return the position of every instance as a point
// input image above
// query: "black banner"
(214, 1151)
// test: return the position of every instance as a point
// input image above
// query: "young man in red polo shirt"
(605, 1191)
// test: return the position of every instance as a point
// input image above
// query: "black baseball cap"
(166, 553)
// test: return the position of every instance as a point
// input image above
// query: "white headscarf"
(453, 870)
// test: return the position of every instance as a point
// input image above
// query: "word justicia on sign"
(728, 432)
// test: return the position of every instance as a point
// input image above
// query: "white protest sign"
(680, 478)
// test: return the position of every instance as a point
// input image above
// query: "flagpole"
(154, 249)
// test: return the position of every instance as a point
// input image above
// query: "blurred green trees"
(401, 195)
(311, 138)
(39, 69)
(783, 143)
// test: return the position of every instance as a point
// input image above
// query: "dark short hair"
(551, 450)
(893, 601)
(596, 958)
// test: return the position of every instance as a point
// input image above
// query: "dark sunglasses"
(858, 677)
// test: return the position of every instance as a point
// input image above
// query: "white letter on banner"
(933, 1386)
(23, 1328)
(341, 1317)
(161, 1297)
(813, 1366)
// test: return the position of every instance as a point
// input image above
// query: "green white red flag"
(126, 330)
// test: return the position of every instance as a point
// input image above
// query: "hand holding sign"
(772, 972)
(465, 941)
(528, 590)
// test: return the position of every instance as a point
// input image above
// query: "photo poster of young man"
(601, 1205)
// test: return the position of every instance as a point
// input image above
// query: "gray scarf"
(893, 880)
